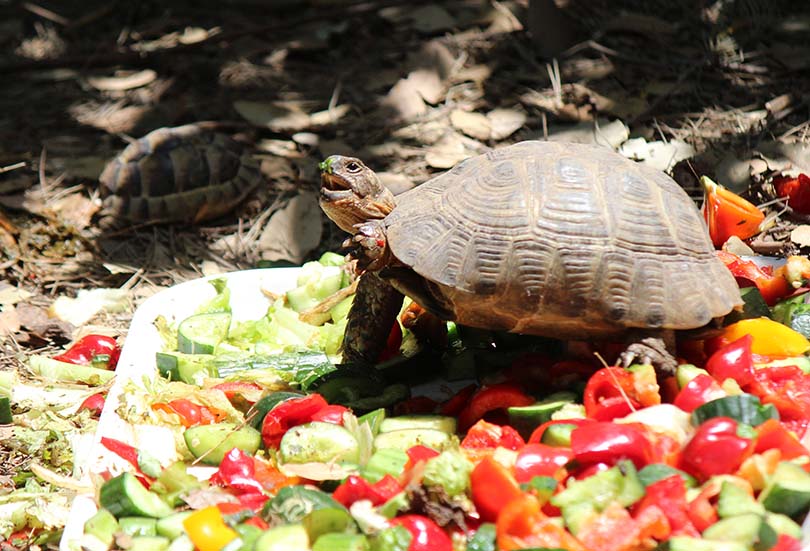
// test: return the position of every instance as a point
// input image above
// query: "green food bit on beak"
(326, 166)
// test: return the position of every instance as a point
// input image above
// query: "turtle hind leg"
(656, 348)
(373, 313)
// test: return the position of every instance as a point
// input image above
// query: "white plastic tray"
(138, 362)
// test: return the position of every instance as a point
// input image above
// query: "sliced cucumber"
(187, 368)
(385, 461)
(149, 543)
(341, 542)
(441, 423)
(407, 438)
(323, 521)
(202, 333)
(527, 418)
(172, 526)
(125, 496)
(71, 373)
(292, 503)
(102, 525)
(787, 491)
(138, 526)
(749, 529)
(743, 408)
(319, 442)
(5, 411)
(558, 435)
(654, 472)
(290, 537)
(210, 443)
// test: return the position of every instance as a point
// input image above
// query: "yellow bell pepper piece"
(207, 529)
(771, 338)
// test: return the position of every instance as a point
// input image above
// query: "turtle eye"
(353, 166)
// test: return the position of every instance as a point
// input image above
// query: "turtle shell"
(180, 174)
(561, 240)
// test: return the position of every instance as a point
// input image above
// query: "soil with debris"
(410, 87)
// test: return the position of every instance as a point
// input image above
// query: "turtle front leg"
(369, 246)
(373, 313)
(657, 350)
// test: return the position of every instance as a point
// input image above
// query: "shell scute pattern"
(178, 174)
(540, 235)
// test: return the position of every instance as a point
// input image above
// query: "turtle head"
(351, 193)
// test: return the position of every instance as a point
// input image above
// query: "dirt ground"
(717, 88)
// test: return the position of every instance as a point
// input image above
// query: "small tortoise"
(180, 174)
(561, 240)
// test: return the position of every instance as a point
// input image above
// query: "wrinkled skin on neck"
(351, 193)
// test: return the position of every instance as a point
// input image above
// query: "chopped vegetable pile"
(277, 448)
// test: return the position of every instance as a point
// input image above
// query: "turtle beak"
(334, 188)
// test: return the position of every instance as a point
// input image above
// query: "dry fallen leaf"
(660, 155)
(505, 122)
(801, 235)
(9, 321)
(276, 117)
(473, 124)
(75, 209)
(123, 81)
(611, 134)
(447, 152)
(292, 231)
(428, 84)
(405, 100)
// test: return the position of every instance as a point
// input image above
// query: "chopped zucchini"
(290, 537)
(407, 438)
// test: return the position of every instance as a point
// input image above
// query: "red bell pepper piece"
(419, 453)
(786, 387)
(771, 286)
(698, 391)
(612, 392)
(493, 486)
(392, 344)
(733, 361)
(716, 448)
(773, 435)
(99, 350)
(787, 543)
(426, 535)
(727, 214)
(454, 405)
(356, 488)
(332, 413)
(94, 403)
(191, 414)
(521, 525)
(796, 190)
(287, 414)
(537, 435)
(483, 435)
(239, 388)
(669, 495)
(490, 399)
(237, 472)
(605, 442)
(540, 460)
(129, 454)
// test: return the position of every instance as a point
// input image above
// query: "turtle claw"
(368, 246)
(651, 351)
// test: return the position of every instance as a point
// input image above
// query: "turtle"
(177, 174)
(562, 240)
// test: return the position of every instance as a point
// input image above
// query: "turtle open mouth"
(333, 182)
